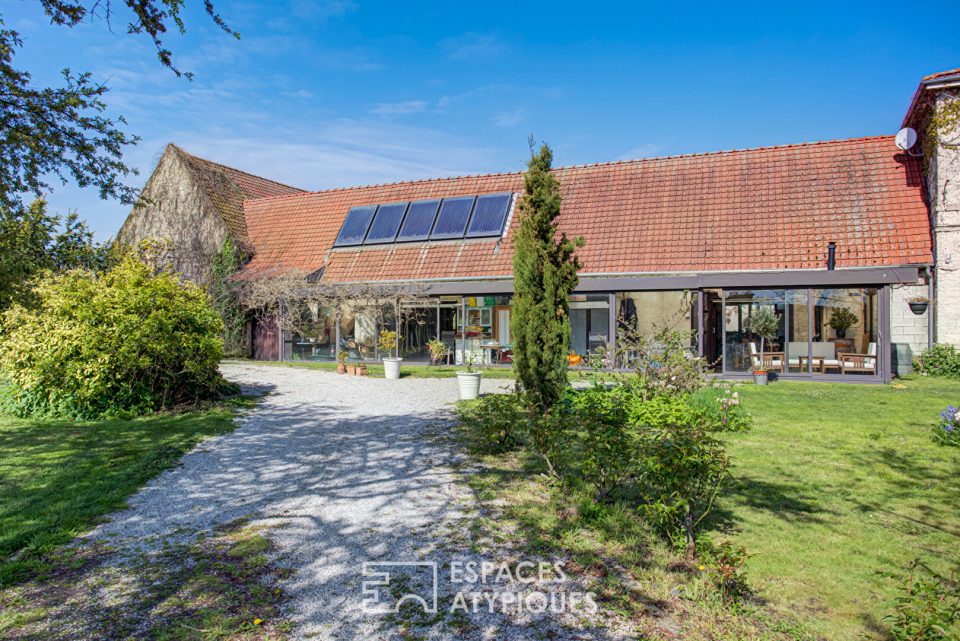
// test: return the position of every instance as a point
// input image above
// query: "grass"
(406, 371)
(58, 479)
(837, 487)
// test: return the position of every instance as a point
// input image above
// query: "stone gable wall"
(178, 210)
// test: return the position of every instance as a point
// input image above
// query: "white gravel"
(343, 467)
(343, 470)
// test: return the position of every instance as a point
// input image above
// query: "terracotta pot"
(361, 370)
(341, 368)
(351, 369)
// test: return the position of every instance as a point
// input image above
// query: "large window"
(819, 332)
(742, 346)
(845, 323)
(589, 322)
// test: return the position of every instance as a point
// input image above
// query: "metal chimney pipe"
(831, 256)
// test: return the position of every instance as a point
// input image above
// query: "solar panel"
(489, 215)
(355, 226)
(386, 223)
(453, 217)
(419, 220)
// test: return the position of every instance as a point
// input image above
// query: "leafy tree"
(33, 240)
(62, 133)
(545, 274)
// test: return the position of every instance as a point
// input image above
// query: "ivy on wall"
(944, 121)
(223, 294)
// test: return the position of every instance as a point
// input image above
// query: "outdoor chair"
(768, 361)
(860, 362)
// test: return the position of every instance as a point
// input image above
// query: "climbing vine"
(944, 121)
(222, 292)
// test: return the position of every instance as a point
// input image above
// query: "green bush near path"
(57, 479)
(834, 493)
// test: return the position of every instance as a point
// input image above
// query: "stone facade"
(175, 207)
(909, 332)
(943, 189)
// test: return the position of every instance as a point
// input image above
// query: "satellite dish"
(906, 138)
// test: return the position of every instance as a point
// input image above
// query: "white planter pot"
(469, 385)
(391, 367)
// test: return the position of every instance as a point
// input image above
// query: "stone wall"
(909, 332)
(177, 209)
(943, 187)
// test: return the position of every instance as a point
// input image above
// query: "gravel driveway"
(346, 470)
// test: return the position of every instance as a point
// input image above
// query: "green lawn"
(406, 371)
(836, 485)
(59, 479)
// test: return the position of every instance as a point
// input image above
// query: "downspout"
(931, 324)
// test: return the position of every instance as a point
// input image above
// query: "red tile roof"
(228, 188)
(922, 99)
(773, 208)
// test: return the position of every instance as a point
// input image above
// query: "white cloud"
(510, 118)
(473, 46)
(399, 108)
(642, 151)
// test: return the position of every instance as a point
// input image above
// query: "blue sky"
(326, 93)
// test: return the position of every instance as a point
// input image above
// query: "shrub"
(495, 424)
(941, 360)
(947, 431)
(593, 442)
(659, 453)
(928, 607)
(724, 565)
(662, 362)
(119, 343)
(387, 341)
(681, 467)
(720, 406)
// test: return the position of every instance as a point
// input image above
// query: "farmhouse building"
(855, 244)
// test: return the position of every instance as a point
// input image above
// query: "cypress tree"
(545, 274)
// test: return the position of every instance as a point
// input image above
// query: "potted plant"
(342, 356)
(361, 369)
(351, 368)
(469, 381)
(387, 343)
(918, 304)
(764, 323)
(841, 320)
(438, 350)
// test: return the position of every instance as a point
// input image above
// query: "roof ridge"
(607, 163)
(239, 171)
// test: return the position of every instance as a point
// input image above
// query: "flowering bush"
(947, 431)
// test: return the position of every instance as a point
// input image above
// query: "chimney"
(832, 256)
